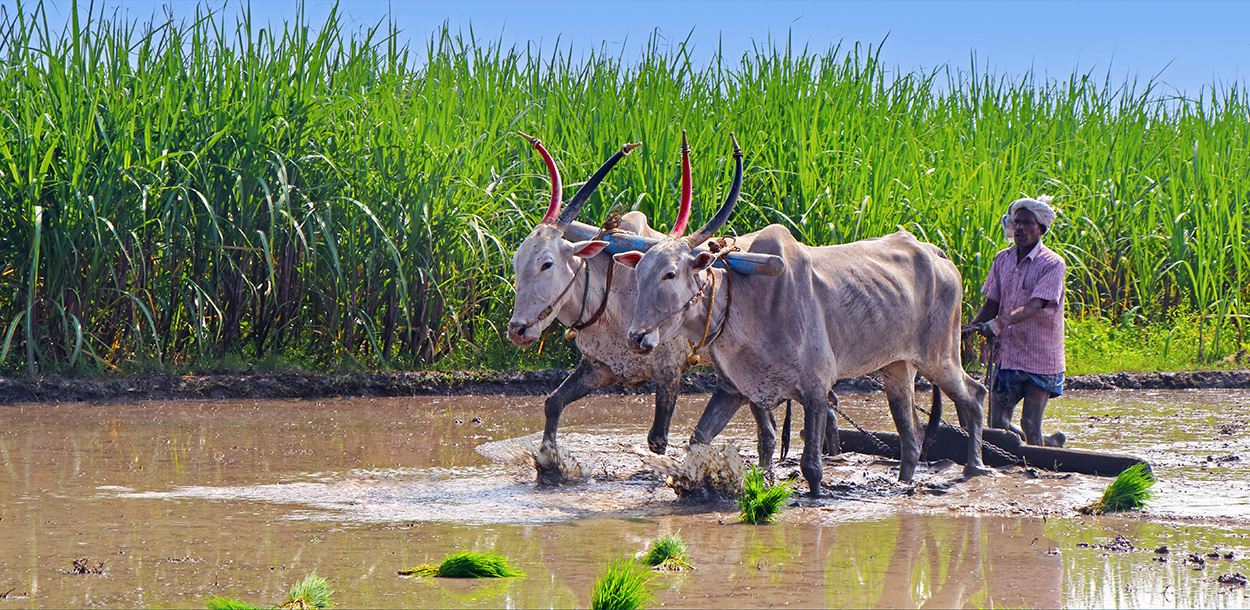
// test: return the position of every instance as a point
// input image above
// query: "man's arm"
(989, 310)
(1020, 314)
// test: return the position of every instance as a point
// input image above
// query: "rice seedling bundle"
(760, 502)
(467, 564)
(310, 593)
(622, 585)
(667, 554)
(177, 190)
(1130, 490)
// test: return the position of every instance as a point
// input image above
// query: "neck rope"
(551, 307)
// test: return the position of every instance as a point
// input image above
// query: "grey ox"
(888, 304)
(557, 279)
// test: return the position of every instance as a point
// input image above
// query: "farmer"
(1023, 312)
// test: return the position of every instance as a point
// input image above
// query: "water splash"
(707, 472)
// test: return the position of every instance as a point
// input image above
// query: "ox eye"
(546, 265)
(670, 275)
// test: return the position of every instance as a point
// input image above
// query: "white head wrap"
(1040, 208)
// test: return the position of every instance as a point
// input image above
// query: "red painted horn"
(722, 215)
(557, 187)
(687, 194)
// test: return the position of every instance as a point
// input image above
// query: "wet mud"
(177, 501)
(480, 383)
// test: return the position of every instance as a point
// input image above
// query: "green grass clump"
(622, 585)
(667, 553)
(467, 564)
(760, 502)
(1130, 490)
(226, 603)
(312, 592)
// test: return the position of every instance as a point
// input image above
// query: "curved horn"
(683, 213)
(556, 186)
(722, 215)
(579, 199)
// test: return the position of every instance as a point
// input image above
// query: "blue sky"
(1189, 45)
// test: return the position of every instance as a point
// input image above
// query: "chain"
(1010, 457)
(886, 449)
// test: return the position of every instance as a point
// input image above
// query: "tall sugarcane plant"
(194, 186)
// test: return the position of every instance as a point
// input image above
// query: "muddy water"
(181, 501)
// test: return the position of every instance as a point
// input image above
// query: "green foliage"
(1095, 344)
(467, 564)
(622, 585)
(760, 502)
(667, 553)
(312, 592)
(171, 193)
(226, 603)
(1130, 490)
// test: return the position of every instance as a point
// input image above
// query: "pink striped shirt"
(1034, 345)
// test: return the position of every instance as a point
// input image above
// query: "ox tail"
(935, 419)
(785, 433)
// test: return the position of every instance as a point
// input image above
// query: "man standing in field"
(1023, 312)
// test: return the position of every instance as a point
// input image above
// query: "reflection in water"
(918, 561)
(242, 499)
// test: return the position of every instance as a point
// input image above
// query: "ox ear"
(629, 259)
(588, 248)
(702, 261)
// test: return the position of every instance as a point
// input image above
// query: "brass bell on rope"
(693, 359)
(570, 333)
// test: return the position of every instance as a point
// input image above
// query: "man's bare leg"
(1035, 399)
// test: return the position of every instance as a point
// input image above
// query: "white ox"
(551, 276)
(888, 304)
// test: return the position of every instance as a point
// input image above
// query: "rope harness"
(609, 226)
(720, 250)
(542, 315)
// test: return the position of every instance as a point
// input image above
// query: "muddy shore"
(524, 383)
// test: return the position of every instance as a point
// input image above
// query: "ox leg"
(968, 395)
(899, 379)
(815, 413)
(665, 401)
(586, 378)
(716, 415)
(833, 444)
(766, 432)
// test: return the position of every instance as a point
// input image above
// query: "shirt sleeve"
(991, 288)
(1049, 285)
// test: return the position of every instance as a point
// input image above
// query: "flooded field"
(180, 501)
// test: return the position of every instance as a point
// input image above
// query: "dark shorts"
(1011, 381)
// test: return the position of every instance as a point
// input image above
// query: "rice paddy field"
(203, 188)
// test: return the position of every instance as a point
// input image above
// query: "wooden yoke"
(746, 263)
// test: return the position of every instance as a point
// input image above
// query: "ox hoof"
(657, 447)
(978, 471)
(1056, 440)
(549, 476)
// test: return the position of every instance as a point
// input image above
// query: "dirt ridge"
(521, 383)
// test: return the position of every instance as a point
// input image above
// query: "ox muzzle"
(517, 333)
(641, 342)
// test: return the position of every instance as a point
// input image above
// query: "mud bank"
(525, 383)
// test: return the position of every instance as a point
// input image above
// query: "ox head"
(545, 263)
(668, 275)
